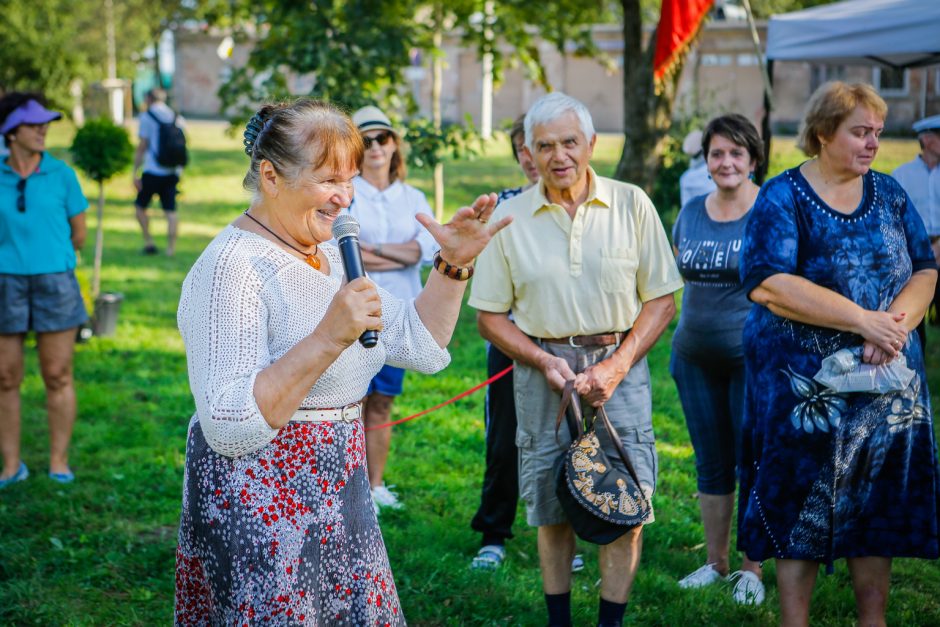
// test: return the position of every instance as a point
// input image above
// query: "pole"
(765, 75)
(109, 30)
(486, 106)
(99, 244)
(437, 75)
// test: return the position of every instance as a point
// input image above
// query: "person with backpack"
(162, 153)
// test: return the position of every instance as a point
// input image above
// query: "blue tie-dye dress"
(825, 475)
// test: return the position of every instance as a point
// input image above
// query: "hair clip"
(256, 125)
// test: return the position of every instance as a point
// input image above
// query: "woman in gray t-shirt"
(707, 356)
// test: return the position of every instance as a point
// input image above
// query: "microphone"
(346, 233)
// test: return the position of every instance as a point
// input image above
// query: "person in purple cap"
(42, 225)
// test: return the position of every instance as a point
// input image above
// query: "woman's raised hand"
(468, 232)
(357, 307)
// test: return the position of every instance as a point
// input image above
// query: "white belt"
(349, 413)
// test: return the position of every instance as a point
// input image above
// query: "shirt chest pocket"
(618, 270)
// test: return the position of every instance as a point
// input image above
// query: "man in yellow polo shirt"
(589, 275)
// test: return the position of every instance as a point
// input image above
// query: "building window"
(820, 74)
(716, 60)
(890, 81)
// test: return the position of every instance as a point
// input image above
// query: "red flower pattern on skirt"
(285, 535)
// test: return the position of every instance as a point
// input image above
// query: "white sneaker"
(383, 497)
(749, 590)
(704, 576)
(489, 557)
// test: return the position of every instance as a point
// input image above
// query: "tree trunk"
(99, 244)
(647, 115)
(158, 76)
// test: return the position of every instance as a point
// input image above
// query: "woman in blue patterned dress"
(835, 256)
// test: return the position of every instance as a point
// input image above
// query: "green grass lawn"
(101, 551)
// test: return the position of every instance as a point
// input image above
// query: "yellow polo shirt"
(584, 276)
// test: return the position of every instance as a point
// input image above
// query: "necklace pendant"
(313, 261)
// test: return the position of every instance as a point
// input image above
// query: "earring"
(751, 176)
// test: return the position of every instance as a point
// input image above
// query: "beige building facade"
(721, 74)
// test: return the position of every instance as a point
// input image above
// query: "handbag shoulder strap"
(575, 430)
(615, 438)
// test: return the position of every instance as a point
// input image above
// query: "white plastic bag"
(843, 371)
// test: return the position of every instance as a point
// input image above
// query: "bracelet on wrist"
(456, 273)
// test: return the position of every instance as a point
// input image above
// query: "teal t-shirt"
(38, 240)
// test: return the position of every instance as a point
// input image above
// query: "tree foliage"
(47, 44)
(102, 149)
(356, 52)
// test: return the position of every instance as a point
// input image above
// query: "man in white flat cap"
(920, 178)
(695, 181)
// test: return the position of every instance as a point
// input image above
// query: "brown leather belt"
(577, 341)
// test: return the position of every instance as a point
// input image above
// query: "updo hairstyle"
(294, 136)
(829, 106)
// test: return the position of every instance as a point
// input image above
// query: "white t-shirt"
(923, 186)
(388, 217)
(150, 131)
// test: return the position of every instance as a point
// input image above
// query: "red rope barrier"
(496, 376)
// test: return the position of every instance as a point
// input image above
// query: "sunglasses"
(381, 139)
(21, 199)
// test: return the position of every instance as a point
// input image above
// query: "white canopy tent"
(894, 33)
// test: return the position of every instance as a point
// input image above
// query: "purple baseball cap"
(29, 113)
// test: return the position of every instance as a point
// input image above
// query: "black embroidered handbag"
(602, 501)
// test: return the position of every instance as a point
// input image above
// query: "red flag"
(679, 21)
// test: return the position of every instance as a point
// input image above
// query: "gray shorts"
(629, 410)
(43, 303)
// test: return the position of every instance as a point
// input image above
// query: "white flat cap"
(692, 144)
(927, 124)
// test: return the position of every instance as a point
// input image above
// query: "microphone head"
(344, 226)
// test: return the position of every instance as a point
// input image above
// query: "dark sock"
(493, 540)
(610, 614)
(559, 609)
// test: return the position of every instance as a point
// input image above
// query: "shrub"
(102, 149)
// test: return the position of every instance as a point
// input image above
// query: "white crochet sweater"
(245, 303)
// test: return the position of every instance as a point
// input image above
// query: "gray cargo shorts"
(629, 410)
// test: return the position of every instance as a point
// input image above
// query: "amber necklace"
(311, 258)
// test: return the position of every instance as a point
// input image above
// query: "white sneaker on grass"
(489, 557)
(749, 589)
(703, 576)
(383, 497)
(577, 563)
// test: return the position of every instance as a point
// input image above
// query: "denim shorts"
(43, 303)
(630, 413)
(389, 381)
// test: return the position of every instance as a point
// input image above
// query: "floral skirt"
(286, 535)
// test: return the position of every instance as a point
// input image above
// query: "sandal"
(20, 475)
(489, 557)
(62, 477)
